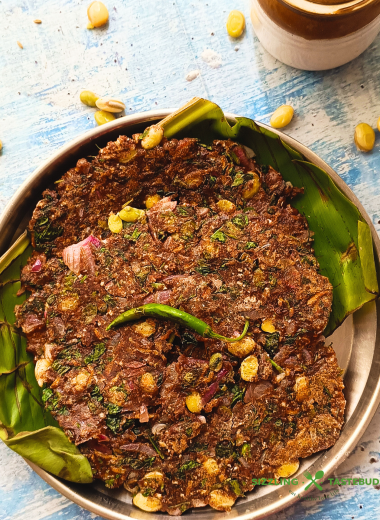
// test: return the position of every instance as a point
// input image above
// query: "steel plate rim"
(370, 397)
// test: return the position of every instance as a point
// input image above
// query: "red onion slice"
(36, 266)
(158, 297)
(144, 416)
(164, 204)
(141, 448)
(212, 389)
(79, 256)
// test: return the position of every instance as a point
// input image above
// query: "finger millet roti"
(180, 420)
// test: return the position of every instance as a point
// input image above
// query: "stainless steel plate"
(356, 342)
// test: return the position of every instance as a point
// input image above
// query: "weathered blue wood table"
(143, 57)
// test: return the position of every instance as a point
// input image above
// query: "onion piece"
(144, 416)
(36, 266)
(157, 428)
(212, 389)
(243, 462)
(158, 297)
(141, 448)
(164, 204)
(79, 256)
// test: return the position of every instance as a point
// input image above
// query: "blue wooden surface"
(143, 57)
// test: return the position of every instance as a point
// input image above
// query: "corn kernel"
(235, 24)
(102, 117)
(151, 200)
(211, 466)
(110, 105)
(221, 500)
(148, 383)
(88, 98)
(97, 13)
(364, 137)
(154, 475)
(40, 371)
(282, 116)
(115, 223)
(378, 124)
(1, 145)
(267, 326)
(145, 328)
(248, 368)
(242, 348)
(216, 361)
(252, 187)
(149, 504)
(286, 470)
(154, 136)
(129, 214)
(226, 206)
(194, 402)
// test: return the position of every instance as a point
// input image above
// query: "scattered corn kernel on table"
(159, 55)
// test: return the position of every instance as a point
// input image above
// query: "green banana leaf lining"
(342, 243)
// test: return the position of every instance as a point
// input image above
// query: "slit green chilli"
(157, 310)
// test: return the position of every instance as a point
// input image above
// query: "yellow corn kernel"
(40, 371)
(37, 21)
(194, 402)
(282, 116)
(235, 24)
(248, 368)
(154, 136)
(151, 200)
(216, 361)
(378, 124)
(149, 504)
(154, 475)
(364, 137)
(242, 348)
(110, 105)
(267, 326)
(88, 98)
(129, 214)
(252, 187)
(97, 13)
(145, 328)
(211, 466)
(301, 388)
(221, 500)
(115, 223)
(147, 383)
(286, 470)
(1, 145)
(226, 206)
(68, 304)
(102, 117)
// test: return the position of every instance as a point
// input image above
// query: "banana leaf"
(342, 238)
(342, 243)
(25, 426)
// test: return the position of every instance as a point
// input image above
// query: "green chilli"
(157, 310)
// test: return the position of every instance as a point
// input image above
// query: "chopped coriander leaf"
(219, 236)
(98, 351)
